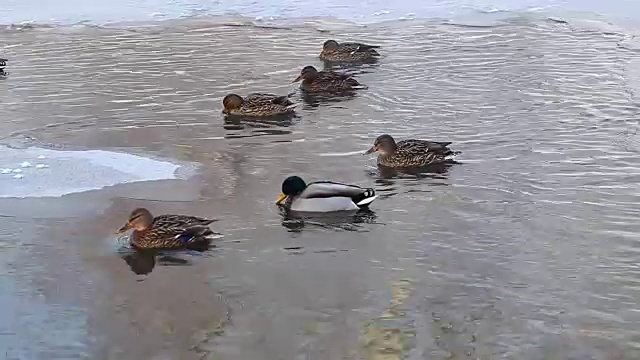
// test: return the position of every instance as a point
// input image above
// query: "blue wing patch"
(184, 238)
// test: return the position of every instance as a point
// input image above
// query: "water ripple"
(528, 245)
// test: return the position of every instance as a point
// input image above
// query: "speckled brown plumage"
(166, 231)
(258, 105)
(410, 153)
(348, 52)
(326, 82)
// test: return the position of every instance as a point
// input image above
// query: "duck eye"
(135, 217)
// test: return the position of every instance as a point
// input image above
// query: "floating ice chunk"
(42, 166)
(41, 157)
(79, 171)
(17, 171)
(25, 164)
(180, 72)
(18, 176)
(5, 171)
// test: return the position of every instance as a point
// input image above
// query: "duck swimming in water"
(348, 52)
(410, 153)
(3, 63)
(166, 231)
(258, 105)
(326, 82)
(323, 196)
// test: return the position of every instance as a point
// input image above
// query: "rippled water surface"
(526, 250)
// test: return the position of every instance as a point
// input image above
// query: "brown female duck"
(258, 105)
(410, 153)
(166, 231)
(348, 52)
(314, 81)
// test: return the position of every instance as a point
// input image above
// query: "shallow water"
(526, 250)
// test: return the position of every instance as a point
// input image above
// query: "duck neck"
(288, 201)
(389, 154)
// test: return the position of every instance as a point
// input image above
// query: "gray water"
(528, 249)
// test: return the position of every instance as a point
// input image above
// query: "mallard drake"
(409, 153)
(348, 52)
(166, 231)
(314, 81)
(323, 196)
(258, 105)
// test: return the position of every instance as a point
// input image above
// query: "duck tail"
(366, 47)
(282, 100)
(292, 106)
(366, 201)
(355, 84)
(204, 222)
(450, 152)
(366, 198)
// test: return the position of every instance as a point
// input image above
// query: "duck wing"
(328, 189)
(173, 231)
(359, 47)
(337, 78)
(417, 147)
(179, 221)
(265, 98)
(193, 233)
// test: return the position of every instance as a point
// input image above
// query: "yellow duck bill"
(281, 197)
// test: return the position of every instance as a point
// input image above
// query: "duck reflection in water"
(436, 171)
(341, 220)
(143, 261)
(315, 100)
(239, 122)
(356, 69)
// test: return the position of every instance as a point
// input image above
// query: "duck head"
(291, 186)
(140, 220)
(383, 145)
(330, 45)
(307, 73)
(232, 102)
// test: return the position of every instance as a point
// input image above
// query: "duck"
(166, 231)
(410, 153)
(3, 63)
(348, 52)
(323, 196)
(258, 105)
(314, 81)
